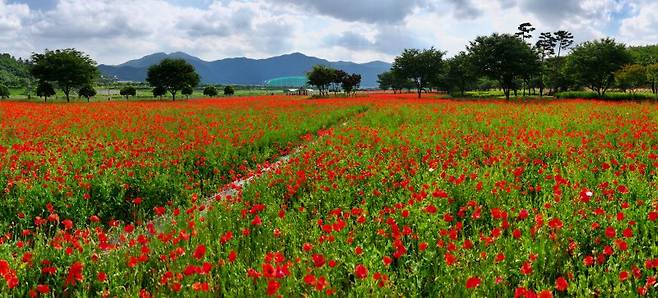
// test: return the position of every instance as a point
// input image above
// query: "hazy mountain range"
(245, 71)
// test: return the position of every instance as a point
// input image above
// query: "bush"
(228, 90)
(210, 91)
(4, 91)
(128, 91)
(610, 95)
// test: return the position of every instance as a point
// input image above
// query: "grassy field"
(380, 195)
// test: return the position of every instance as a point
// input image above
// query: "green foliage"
(350, 82)
(210, 91)
(652, 77)
(172, 75)
(13, 72)
(187, 91)
(609, 95)
(45, 90)
(644, 55)
(505, 58)
(420, 66)
(4, 91)
(631, 77)
(87, 92)
(229, 90)
(461, 74)
(394, 81)
(321, 76)
(159, 91)
(594, 63)
(69, 68)
(128, 91)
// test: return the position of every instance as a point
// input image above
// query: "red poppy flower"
(472, 282)
(360, 271)
(561, 284)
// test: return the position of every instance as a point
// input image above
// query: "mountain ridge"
(243, 70)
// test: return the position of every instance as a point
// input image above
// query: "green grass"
(608, 95)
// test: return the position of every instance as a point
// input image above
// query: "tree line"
(74, 72)
(512, 63)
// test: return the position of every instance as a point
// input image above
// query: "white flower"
(431, 170)
(589, 194)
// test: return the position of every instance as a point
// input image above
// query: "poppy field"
(384, 195)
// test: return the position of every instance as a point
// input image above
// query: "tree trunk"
(419, 92)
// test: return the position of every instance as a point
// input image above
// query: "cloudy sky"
(113, 31)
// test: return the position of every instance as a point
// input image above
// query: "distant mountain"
(245, 71)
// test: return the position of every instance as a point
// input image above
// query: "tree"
(339, 77)
(546, 48)
(421, 66)
(394, 81)
(524, 31)
(159, 91)
(4, 92)
(210, 91)
(503, 57)
(594, 63)
(229, 90)
(172, 75)
(385, 80)
(87, 92)
(461, 74)
(321, 76)
(652, 77)
(45, 90)
(563, 40)
(128, 91)
(69, 68)
(351, 82)
(187, 91)
(631, 77)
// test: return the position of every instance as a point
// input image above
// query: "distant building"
(299, 91)
(294, 82)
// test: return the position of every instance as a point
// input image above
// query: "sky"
(114, 31)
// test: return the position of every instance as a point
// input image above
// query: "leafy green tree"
(644, 55)
(652, 77)
(351, 82)
(503, 57)
(229, 90)
(631, 77)
(321, 76)
(128, 91)
(69, 68)
(210, 91)
(461, 73)
(594, 63)
(339, 77)
(172, 75)
(385, 80)
(45, 90)
(87, 92)
(159, 91)
(187, 91)
(545, 46)
(4, 92)
(394, 81)
(421, 66)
